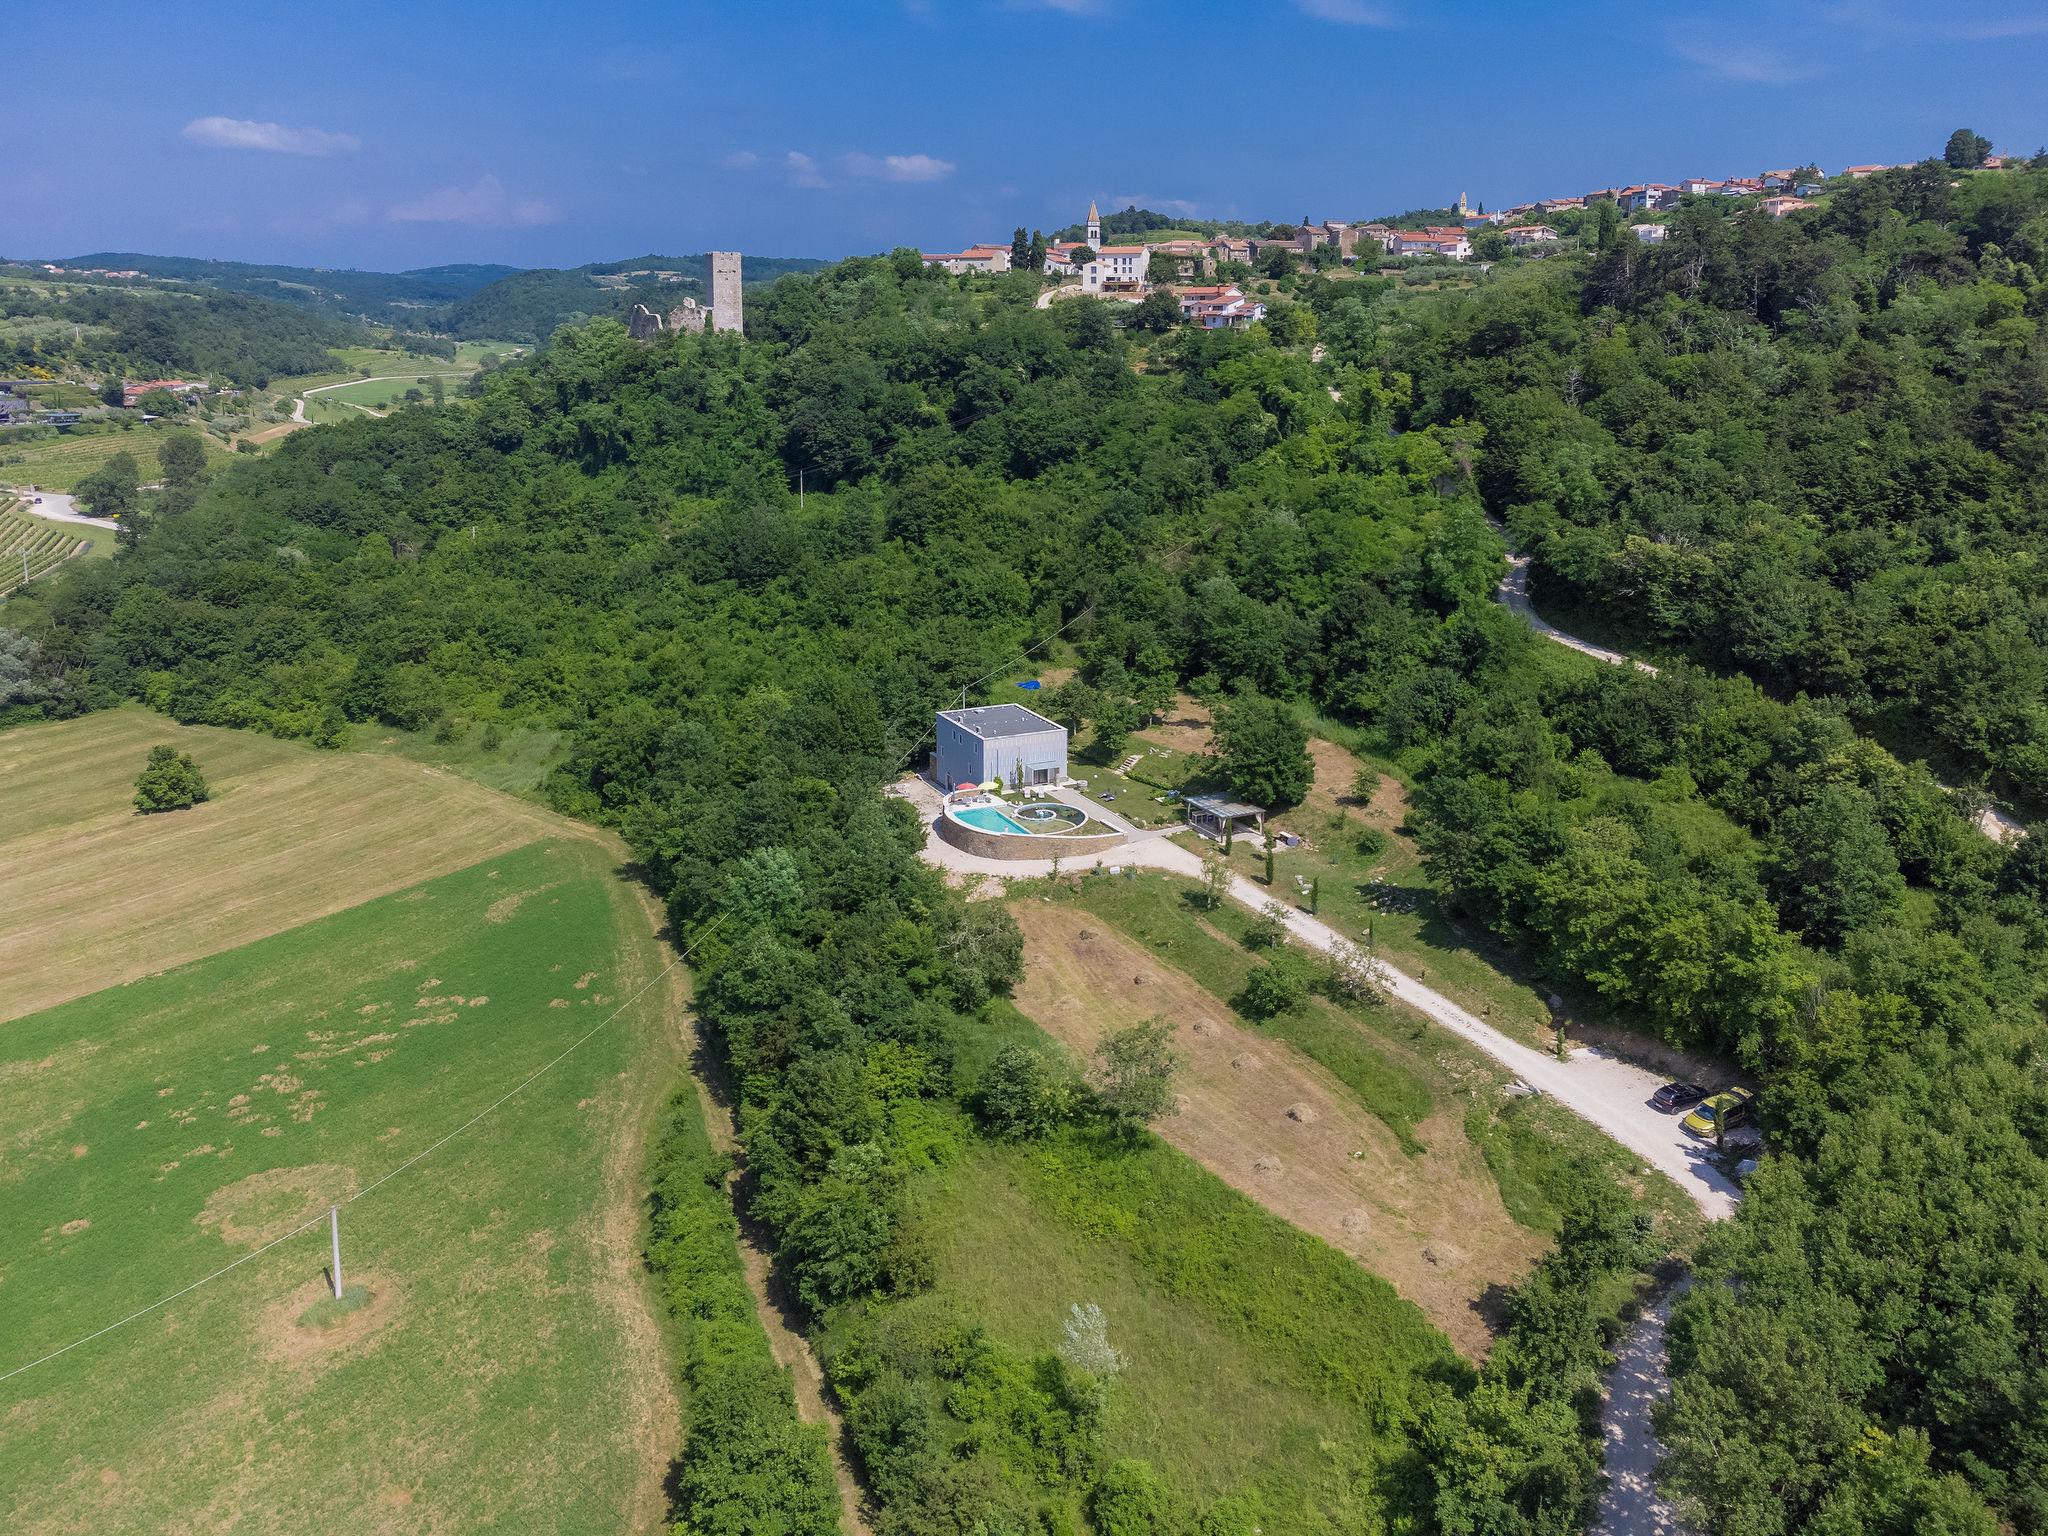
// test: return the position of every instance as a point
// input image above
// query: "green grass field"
(59, 463)
(1260, 1360)
(493, 1376)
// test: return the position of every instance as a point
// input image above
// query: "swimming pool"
(990, 818)
(1040, 818)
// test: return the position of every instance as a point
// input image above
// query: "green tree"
(1965, 150)
(1158, 311)
(1264, 750)
(1833, 869)
(114, 489)
(1025, 1093)
(1020, 250)
(183, 457)
(1134, 1072)
(1276, 987)
(169, 781)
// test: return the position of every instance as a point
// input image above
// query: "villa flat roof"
(989, 721)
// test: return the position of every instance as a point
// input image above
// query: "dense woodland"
(607, 540)
(1811, 450)
(406, 301)
(154, 332)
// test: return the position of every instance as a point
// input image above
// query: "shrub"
(1024, 1094)
(169, 781)
(1372, 842)
(1276, 987)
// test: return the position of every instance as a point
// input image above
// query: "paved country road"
(58, 508)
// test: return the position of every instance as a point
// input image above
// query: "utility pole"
(334, 1228)
(799, 488)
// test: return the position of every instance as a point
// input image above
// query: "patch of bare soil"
(289, 1337)
(1185, 727)
(1277, 1127)
(265, 1206)
(1335, 771)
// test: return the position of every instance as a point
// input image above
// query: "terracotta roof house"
(1521, 235)
(1778, 207)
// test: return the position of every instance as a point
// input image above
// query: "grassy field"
(93, 894)
(1260, 1360)
(59, 463)
(493, 1365)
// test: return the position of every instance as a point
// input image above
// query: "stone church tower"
(1094, 227)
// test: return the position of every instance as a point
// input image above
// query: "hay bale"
(1244, 1062)
(1304, 1114)
(1266, 1162)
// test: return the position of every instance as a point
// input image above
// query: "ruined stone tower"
(725, 292)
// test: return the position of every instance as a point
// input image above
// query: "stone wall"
(1011, 845)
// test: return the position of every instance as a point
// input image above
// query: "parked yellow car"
(1723, 1109)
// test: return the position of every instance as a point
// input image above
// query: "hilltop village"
(1204, 264)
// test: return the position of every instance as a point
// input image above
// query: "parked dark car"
(1673, 1097)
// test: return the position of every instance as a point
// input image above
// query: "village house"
(13, 409)
(1858, 172)
(1381, 235)
(1650, 234)
(1639, 199)
(1699, 186)
(1530, 236)
(1775, 180)
(1116, 269)
(131, 393)
(976, 258)
(1220, 307)
(1454, 243)
(1189, 258)
(1808, 189)
(1231, 248)
(1778, 207)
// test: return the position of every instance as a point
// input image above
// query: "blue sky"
(404, 134)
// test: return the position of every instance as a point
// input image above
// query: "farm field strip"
(279, 844)
(59, 463)
(157, 1131)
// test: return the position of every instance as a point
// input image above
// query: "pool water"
(1027, 820)
(990, 818)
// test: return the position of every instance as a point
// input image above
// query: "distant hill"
(415, 300)
(471, 302)
(528, 306)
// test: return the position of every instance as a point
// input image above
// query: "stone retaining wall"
(1011, 845)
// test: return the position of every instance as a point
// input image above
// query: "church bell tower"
(1094, 227)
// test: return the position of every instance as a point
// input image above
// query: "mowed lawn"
(501, 1374)
(93, 894)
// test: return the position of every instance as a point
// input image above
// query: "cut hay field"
(93, 895)
(1275, 1125)
(496, 1368)
(59, 463)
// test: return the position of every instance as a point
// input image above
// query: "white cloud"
(741, 160)
(486, 202)
(803, 170)
(899, 167)
(238, 133)
(1747, 64)
(1347, 13)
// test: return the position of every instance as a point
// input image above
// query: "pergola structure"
(1214, 815)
